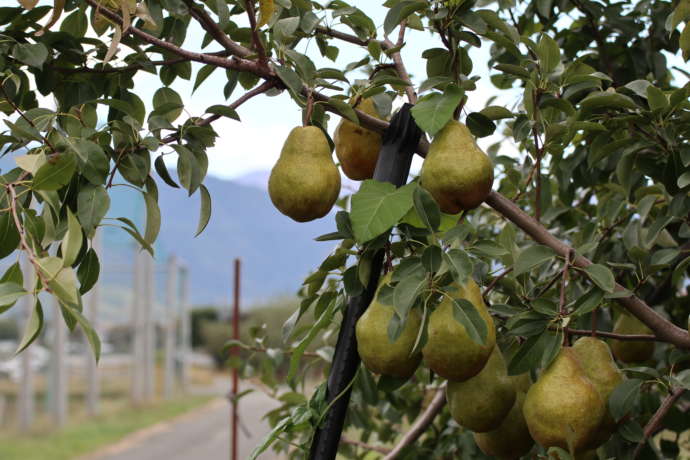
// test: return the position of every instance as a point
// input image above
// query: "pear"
(305, 182)
(522, 382)
(378, 354)
(482, 402)
(449, 350)
(511, 440)
(456, 172)
(627, 351)
(563, 408)
(598, 365)
(358, 148)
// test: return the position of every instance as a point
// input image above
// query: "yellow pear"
(358, 148)
(456, 171)
(305, 182)
(563, 408)
(449, 350)
(378, 354)
(598, 365)
(482, 402)
(628, 351)
(511, 440)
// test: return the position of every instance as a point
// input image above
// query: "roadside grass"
(87, 435)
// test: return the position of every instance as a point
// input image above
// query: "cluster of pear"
(481, 395)
(566, 407)
(305, 182)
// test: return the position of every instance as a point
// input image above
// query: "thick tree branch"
(655, 422)
(662, 328)
(421, 424)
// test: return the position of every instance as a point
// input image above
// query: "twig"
(494, 281)
(400, 66)
(663, 329)
(420, 425)
(256, 40)
(561, 306)
(612, 335)
(363, 445)
(16, 108)
(654, 423)
(210, 26)
(342, 36)
(135, 66)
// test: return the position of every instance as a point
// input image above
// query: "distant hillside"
(277, 253)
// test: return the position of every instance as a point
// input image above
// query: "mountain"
(276, 252)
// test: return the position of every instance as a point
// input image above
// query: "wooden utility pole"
(171, 315)
(185, 327)
(92, 304)
(26, 405)
(137, 390)
(235, 376)
(149, 327)
(59, 366)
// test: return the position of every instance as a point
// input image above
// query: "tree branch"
(400, 66)
(256, 40)
(370, 447)
(655, 422)
(210, 26)
(611, 335)
(342, 36)
(663, 329)
(421, 424)
(234, 63)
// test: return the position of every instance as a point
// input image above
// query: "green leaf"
(533, 351)
(224, 110)
(435, 110)
(549, 53)
(406, 292)
(9, 236)
(531, 258)
(480, 125)
(153, 218)
(89, 332)
(399, 12)
(427, 208)
(61, 280)
(169, 101)
(496, 112)
(467, 315)
(162, 170)
(93, 203)
(344, 109)
(202, 75)
(432, 258)
(55, 173)
(624, 397)
(460, 264)
(377, 207)
(588, 302)
(88, 271)
(601, 276)
(656, 98)
(72, 241)
(30, 54)
(10, 292)
(205, 210)
(290, 78)
(33, 327)
(93, 162)
(607, 100)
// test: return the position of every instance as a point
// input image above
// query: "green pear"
(628, 351)
(378, 354)
(456, 172)
(358, 148)
(449, 350)
(598, 365)
(482, 402)
(522, 382)
(511, 440)
(563, 408)
(305, 182)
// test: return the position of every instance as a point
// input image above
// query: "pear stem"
(561, 307)
(309, 109)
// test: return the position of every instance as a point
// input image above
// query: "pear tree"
(576, 224)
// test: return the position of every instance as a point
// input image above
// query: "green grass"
(87, 435)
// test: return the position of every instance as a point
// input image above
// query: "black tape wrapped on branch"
(399, 142)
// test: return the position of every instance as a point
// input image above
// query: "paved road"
(201, 434)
